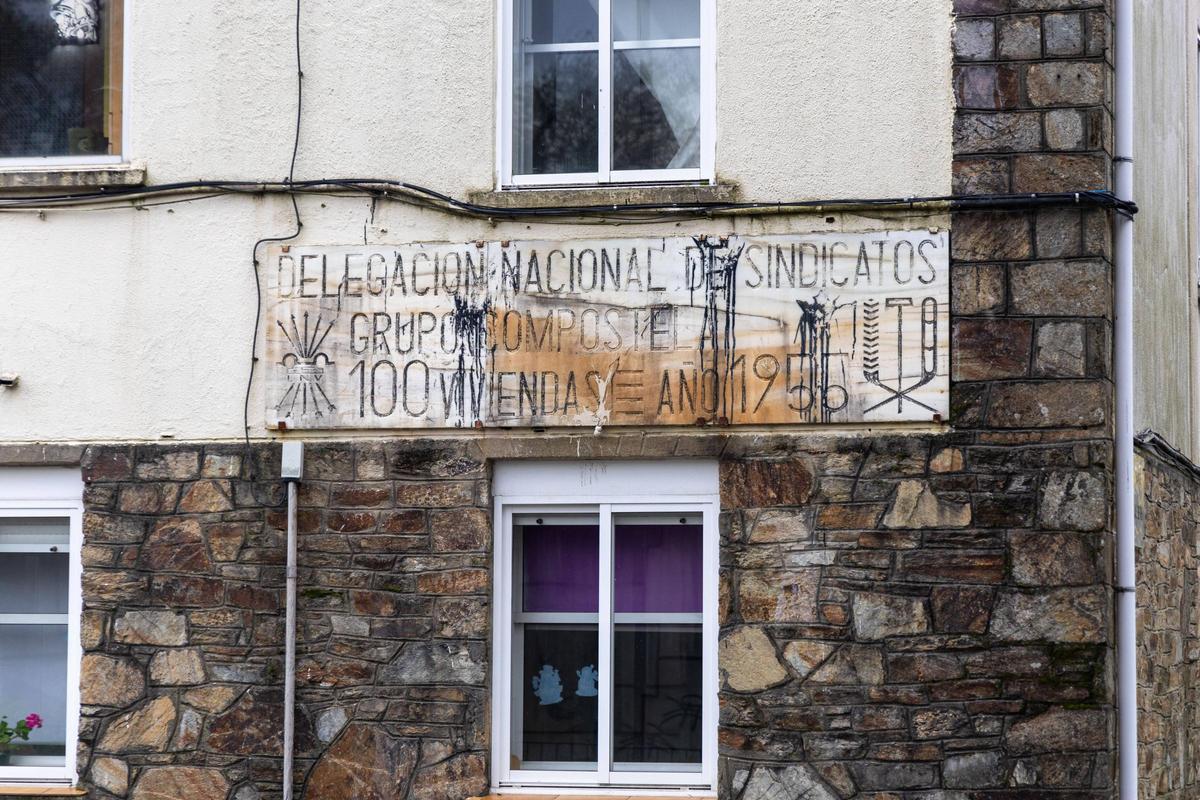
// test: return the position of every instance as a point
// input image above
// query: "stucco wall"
(136, 324)
(1165, 282)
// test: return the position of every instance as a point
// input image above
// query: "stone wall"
(1168, 521)
(183, 623)
(900, 613)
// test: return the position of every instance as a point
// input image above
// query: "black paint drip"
(814, 334)
(719, 273)
(470, 330)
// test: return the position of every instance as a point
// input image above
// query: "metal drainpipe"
(293, 470)
(1126, 566)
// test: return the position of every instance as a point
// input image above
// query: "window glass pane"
(560, 21)
(33, 680)
(556, 700)
(645, 20)
(554, 660)
(40, 532)
(556, 115)
(34, 583)
(560, 570)
(60, 77)
(656, 108)
(659, 565)
(657, 697)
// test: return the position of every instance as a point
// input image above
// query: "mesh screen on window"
(60, 78)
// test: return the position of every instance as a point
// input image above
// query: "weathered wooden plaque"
(738, 330)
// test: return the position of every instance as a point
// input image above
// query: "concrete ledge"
(606, 195)
(40, 455)
(69, 177)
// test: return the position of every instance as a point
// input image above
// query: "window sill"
(551, 197)
(72, 177)
(15, 791)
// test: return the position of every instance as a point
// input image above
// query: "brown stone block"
(779, 596)
(977, 289)
(1019, 37)
(350, 521)
(1060, 172)
(147, 498)
(225, 540)
(905, 751)
(764, 484)
(109, 681)
(402, 628)
(922, 667)
(361, 495)
(181, 783)
(113, 586)
(461, 530)
(1074, 404)
(981, 176)
(990, 349)
(961, 609)
(161, 464)
(1059, 730)
(958, 690)
(410, 521)
(987, 86)
(1053, 559)
(965, 7)
(327, 673)
(1057, 615)
(462, 775)
(106, 464)
(951, 566)
(440, 494)
(1067, 83)
(364, 764)
(253, 597)
(454, 582)
(186, 590)
(992, 236)
(206, 497)
(254, 726)
(176, 544)
(858, 516)
(146, 729)
(997, 133)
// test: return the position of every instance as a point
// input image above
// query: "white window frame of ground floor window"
(602, 490)
(54, 493)
(605, 174)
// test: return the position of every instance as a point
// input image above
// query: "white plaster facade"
(136, 324)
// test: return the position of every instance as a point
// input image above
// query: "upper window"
(608, 91)
(60, 80)
(606, 631)
(40, 531)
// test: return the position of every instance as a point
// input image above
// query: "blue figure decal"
(587, 681)
(547, 686)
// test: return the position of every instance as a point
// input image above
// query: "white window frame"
(52, 492)
(16, 163)
(602, 489)
(605, 175)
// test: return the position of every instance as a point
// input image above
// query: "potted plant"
(19, 731)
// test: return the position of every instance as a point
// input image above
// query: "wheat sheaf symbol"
(305, 366)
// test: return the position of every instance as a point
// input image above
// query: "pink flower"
(33, 721)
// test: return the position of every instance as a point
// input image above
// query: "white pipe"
(1126, 583)
(289, 667)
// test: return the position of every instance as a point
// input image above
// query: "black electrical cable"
(251, 466)
(390, 189)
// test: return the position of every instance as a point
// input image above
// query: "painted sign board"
(738, 330)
